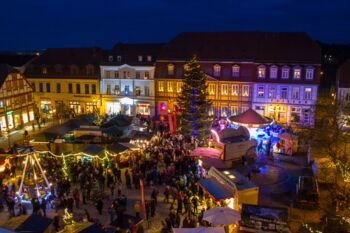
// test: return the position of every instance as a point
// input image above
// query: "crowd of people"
(164, 166)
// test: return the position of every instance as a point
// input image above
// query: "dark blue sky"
(38, 24)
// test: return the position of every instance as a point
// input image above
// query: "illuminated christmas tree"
(194, 104)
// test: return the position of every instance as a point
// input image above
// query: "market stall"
(235, 143)
(252, 121)
(287, 144)
(27, 223)
(230, 188)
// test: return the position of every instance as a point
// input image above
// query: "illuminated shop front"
(17, 119)
(31, 115)
(3, 123)
(45, 106)
(143, 109)
(25, 118)
(10, 123)
(278, 113)
(113, 107)
(91, 107)
(75, 106)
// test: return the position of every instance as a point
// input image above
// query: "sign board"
(256, 218)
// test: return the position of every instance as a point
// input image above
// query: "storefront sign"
(9, 112)
(126, 101)
(82, 96)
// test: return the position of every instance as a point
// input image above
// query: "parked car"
(308, 195)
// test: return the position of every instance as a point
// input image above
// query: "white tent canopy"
(199, 230)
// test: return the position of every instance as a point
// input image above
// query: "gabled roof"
(5, 70)
(344, 75)
(243, 46)
(70, 56)
(129, 53)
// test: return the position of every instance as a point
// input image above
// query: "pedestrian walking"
(137, 208)
(99, 205)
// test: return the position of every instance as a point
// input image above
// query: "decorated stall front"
(235, 143)
(229, 188)
(251, 120)
(287, 144)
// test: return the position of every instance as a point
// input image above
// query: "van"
(307, 192)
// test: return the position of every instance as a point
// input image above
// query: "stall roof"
(84, 227)
(240, 181)
(117, 147)
(28, 223)
(93, 149)
(250, 117)
(215, 189)
(214, 162)
(206, 152)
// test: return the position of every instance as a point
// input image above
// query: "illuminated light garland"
(67, 217)
(307, 227)
(344, 169)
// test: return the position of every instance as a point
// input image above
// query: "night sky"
(38, 24)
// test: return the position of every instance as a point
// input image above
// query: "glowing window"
(217, 70)
(235, 71)
(261, 72)
(171, 69)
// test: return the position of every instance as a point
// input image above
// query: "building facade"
(16, 99)
(276, 74)
(127, 79)
(343, 83)
(66, 81)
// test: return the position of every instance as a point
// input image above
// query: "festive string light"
(307, 227)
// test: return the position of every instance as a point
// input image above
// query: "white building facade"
(127, 89)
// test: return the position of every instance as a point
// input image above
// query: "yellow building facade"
(61, 96)
(66, 81)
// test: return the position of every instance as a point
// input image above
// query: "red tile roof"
(5, 70)
(344, 75)
(129, 53)
(274, 47)
(250, 117)
(70, 56)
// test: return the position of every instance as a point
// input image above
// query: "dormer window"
(58, 69)
(235, 71)
(44, 70)
(110, 58)
(297, 73)
(139, 58)
(74, 70)
(90, 70)
(171, 69)
(217, 70)
(273, 72)
(186, 66)
(261, 72)
(149, 58)
(309, 74)
(119, 58)
(285, 72)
